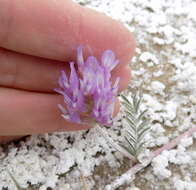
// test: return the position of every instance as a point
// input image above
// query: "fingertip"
(125, 48)
(125, 76)
(99, 32)
(54, 30)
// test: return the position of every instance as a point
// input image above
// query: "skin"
(37, 39)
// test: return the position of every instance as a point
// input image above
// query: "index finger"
(54, 29)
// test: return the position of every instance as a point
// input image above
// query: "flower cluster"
(88, 92)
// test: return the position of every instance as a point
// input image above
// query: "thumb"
(54, 29)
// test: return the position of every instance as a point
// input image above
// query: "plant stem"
(129, 175)
(114, 144)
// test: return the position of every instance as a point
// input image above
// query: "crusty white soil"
(165, 69)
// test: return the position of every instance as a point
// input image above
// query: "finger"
(54, 29)
(5, 139)
(37, 74)
(125, 76)
(28, 72)
(23, 113)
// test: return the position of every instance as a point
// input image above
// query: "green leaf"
(127, 102)
(130, 114)
(140, 149)
(137, 124)
(134, 102)
(141, 116)
(125, 98)
(142, 125)
(130, 144)
(137, 104)
(129, 134)
(128, 149)
(128, 106)
(142, 133)
(141, 145)
(132, 124)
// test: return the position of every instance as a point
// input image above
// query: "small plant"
(137, 125)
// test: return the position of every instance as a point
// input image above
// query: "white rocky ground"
(165, 69)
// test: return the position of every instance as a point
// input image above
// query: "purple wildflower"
(89, 92)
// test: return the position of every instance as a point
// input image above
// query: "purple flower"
(89, 92)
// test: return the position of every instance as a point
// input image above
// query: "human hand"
(37, 39)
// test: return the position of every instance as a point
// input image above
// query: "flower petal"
(63, 110)
(63, 81)
(108, 60)
(74, 117)
(73, 80)
(92, 62)
(80, 59)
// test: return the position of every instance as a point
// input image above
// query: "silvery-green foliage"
(136, 125)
